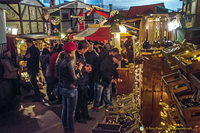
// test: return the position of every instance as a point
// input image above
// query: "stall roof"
(74, 4)
(95, 34)
(27, 2)
(139, 10)
(37, 36)
(10, 1)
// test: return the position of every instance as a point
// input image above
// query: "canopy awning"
(95, 34)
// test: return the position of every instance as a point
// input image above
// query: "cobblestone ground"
(40, 117)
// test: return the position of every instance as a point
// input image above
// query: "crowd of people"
(81, 72)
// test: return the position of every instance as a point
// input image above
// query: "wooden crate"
(107, 128)
(192, 115)
(184, 62)
(113, 118)
(169, 53)
(125, 87)
(195, 81)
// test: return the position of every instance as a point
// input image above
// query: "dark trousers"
(51, 85)
(69, 106)
(16, 86)
(34, 83)
(82, 105)
(91, 91)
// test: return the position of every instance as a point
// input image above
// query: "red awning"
(95, 34)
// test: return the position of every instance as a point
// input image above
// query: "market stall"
(94, 33)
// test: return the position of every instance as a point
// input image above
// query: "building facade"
(58, 2)
(25, 17)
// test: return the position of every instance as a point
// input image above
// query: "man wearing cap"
(107, 77)
(32, 56)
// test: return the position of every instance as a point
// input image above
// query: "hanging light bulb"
(122, 29)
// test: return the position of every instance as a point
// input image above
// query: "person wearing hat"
(68, 84)
(107, 77)
(32, 56)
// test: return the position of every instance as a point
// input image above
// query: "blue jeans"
(98, 90)
(108, 95)
(70, 97)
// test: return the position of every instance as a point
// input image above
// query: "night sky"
(125, 4)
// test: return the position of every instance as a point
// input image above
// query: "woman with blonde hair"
(67, 74)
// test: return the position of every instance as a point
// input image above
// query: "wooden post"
(20, 17)
(142, 30)
(117, 41)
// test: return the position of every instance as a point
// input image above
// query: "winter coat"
(129, 47)
(98, 63)
(67, 76)
(44, 59)
(107, 71)
(52, 66)
(33, 61)
(10, 71)
(91, 58)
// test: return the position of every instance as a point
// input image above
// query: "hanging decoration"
(81, 22)
(55, 24)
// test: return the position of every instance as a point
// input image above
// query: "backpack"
(1, 70)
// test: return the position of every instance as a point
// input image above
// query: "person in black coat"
(32, 56)
(108, 75)
(91, 58)
(82, 109)
(98, 89)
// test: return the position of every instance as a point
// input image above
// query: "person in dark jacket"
(91, 58)
(32, 56)
(52, 78)
(108, 76)
(44, 59)
(128, 44)
(82, 109)
(68, 85)
(97, 90)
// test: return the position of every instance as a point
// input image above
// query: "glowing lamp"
(122, 29)
(62, 35)
(14, 31)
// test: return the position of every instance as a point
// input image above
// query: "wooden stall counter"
(127, 84)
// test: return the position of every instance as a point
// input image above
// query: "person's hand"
(80, 66)
(126, 60)
(119, 80)
(113, 81)
(28, 56)
(88, 68)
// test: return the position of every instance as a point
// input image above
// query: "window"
(65, 16)
(46, 1)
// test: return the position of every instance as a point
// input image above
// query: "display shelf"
(195, 79)
(189, 62)
(179, 89)
(170, 52)
(107, 128)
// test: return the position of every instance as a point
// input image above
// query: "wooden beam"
(71, 13)
(36, 19)
(131, 20)
(13, 9)
(29, 19)
(23, 21)
(134, 28)
(23, 11)
(20, 18)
